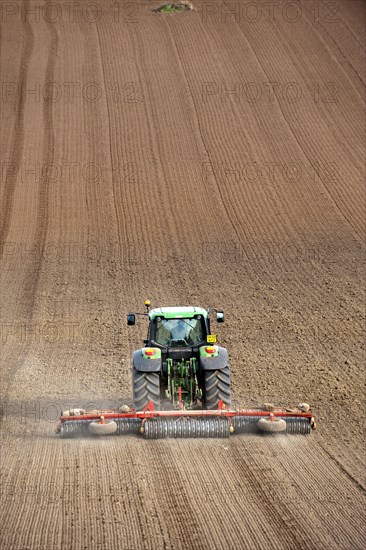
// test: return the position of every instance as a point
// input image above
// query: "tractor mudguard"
(215, 362)
(144, 364)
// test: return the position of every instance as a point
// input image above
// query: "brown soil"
(204, 158)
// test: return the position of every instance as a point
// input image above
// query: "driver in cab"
(179, 331)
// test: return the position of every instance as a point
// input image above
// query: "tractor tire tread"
(217, 387)
(146, 389)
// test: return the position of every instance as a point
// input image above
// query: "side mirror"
(220, 317)
(131, 319)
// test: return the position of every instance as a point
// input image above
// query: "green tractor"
(180, 362)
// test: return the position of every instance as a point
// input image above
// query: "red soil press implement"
(184, 424)
(181, 388)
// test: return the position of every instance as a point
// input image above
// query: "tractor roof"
(176, 312)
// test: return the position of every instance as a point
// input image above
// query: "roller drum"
(298, 426)
(126, 426)
(249, 424)
(80, 428)
(75, 428)
(186, 428)
(245, 424)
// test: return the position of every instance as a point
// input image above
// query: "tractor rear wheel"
(217, 388)
(146, 388)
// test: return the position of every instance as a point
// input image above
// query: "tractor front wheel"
(217, 388)
(146, 388)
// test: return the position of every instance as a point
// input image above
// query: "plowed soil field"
(214, 156)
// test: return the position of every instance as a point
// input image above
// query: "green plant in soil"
(172, 8)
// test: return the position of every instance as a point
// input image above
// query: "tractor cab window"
(178, 332)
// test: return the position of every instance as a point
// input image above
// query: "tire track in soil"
(209, 480)
(317, 147)
(234, 223)
(297, 498)
(119, 223)
(18, 133)
(344, 469)
(344, 58)
(236, 494)
(34, 270)
(38, 502)
(306, 267)
(163, 229)
(301, 147)
(119, 509)
(191, 532)
(126, 195)
(202, 489)
(152, 520)
(288, 482)
(47, 160)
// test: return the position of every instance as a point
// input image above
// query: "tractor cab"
(177, 327)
